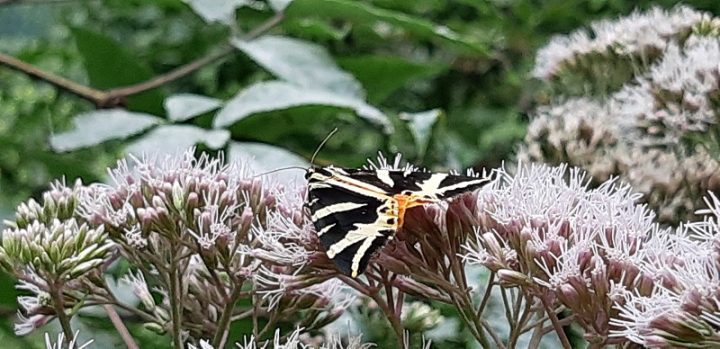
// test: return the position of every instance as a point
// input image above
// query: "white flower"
(545, 230)
(204, 344)
(293, 341)
(140, 288)
(683, 307)
(60, 343)
(580, 131)
(639, 34)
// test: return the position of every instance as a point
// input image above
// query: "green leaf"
(98, 126)
(383, 75)
(315, 29)
(184, 106)
(169, 139)
(222, 11)
(9, 339)
(363, 12)
(265, 157)
(421, 126)
(109, 65)
(300, 62)
(7, 291)
(277, 95)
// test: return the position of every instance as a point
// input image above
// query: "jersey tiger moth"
(356, 211)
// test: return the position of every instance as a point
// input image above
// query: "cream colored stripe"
(461, 185)
(432, 184)
(384, 176)
(328, 210)
(340, 179)
(326, 229)
(362, 232)
(359, 255)
(358, 187)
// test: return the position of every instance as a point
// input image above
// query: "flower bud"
(419, 317)
(178, 196)
(154, 327)
(509, 277)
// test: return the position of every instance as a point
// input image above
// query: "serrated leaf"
(265, 157)
(181, 107)
(360, 12)
(222, 11)
(300, 62)
(421, 126)
(171, 139)
(278, 95)
(108, 64)
(383, 75)
(99, 126)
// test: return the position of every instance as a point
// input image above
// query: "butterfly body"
(356, 211)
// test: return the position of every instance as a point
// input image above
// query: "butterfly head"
(309, 172)
(417, 198)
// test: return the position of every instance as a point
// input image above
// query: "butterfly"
(357, 211)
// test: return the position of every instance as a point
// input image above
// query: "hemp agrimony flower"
(56, 255)
(636, 99)
(207, 235)
(683, 311)
(292, 341)
(620, 44)
(562, 243)
(61, 343)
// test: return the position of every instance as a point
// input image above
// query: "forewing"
(453, 185)
(440, 186)
(433, 185)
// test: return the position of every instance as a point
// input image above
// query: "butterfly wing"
(353, 218)
(355, 212)
(444, 186)
(430, 185)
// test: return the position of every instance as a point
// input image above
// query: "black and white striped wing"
(353, 219)
(355, 212)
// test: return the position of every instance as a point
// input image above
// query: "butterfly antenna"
(280, 169)
(332, 133)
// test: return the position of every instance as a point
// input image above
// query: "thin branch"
(555, 323)
(226, 318)
(182, 71)
(79, 90)
(118, 96)
(120, 327)
(486, 296)
(33, 2)
(264, 27)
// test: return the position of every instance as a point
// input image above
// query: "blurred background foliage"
(450, 78)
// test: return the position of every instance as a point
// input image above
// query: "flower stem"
(556, 324)
(464, 306)
(392, 317)
(60, 311)
(175, 306)
(120, 327)
(225, 320)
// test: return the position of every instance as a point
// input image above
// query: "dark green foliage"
(469, 59)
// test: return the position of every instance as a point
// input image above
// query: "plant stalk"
(59, 304)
